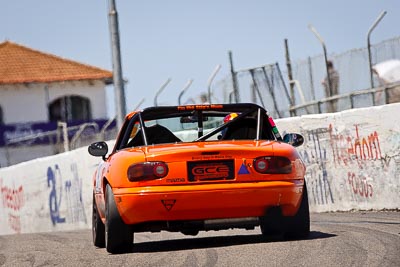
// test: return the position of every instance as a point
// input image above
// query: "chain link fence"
(263, 85)
(352, 66)
(269, 86)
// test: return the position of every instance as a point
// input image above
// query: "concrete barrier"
(48, 194)
(352, 158)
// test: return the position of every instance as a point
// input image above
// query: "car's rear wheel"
(118, 235)
(298, 226)
(272, 224)
(98, 229)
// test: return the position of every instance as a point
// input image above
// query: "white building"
(38, 89)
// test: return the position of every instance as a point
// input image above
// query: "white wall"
(48, 194)
(352, 158)
(28, 103)
(23, 103)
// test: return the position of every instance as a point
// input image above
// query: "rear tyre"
(272, 223)
(118, 235)
(298, 226)
(98, 229)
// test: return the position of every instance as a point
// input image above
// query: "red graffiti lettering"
(12, 198)
(348, 148)
(359, 185)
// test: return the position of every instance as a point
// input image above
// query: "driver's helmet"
(230, 117)
(227, 118)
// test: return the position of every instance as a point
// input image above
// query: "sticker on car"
(210, 170)
(168, 203)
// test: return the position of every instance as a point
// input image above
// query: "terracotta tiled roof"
(20, 64)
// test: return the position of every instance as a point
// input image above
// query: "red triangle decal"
(168, 203)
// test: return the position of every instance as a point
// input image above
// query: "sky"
(187, 39)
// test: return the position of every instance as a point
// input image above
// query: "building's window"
(70, 108)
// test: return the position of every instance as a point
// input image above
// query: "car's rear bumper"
(207, 201)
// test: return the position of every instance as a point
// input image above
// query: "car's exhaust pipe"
(217, 224)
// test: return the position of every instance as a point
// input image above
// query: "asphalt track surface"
(336, 239)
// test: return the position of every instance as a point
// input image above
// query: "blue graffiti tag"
(73, 196)
(54, 203)
(315, 157)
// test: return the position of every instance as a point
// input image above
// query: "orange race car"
(196, 168)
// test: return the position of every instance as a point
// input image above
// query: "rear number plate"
(210, 170)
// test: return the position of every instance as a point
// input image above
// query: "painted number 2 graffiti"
(54, 201)
(65, 197)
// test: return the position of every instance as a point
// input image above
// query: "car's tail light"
(146, 171)
(272, 165)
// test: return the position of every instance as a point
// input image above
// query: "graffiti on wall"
(12, 198)
(315, 157)
(350, 158)
(54, 179)
(73, 192)
(360, 185)
(65, 196)
(394, 141)
(348, 148)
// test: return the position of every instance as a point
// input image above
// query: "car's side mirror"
(293, 139)
(98, 149)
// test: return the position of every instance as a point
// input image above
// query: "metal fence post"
(234, 79)
(311, 79)
(160, 90)
(256, 87)
(185, 88)
(64, 131)
(210, 80)
(325, 57)
(290, 75)
(369, 46)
